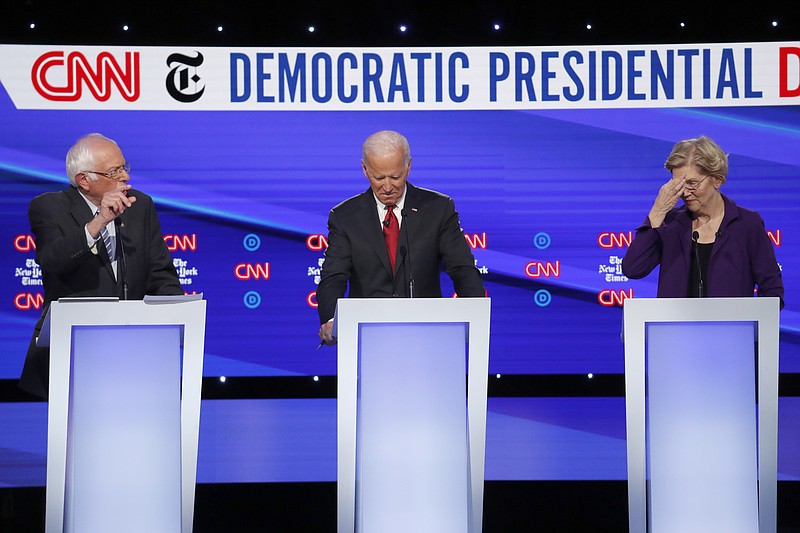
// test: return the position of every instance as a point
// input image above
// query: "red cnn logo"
(316, 242)
(181, 242)
(24, 243)
(245, 271)
(311, 299)
(775, 237)
(610, 297)
(608, 239)
(538, 269)
(25, 301)
(74, 71)
(476, 241)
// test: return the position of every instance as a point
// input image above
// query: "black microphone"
(386, 223)
(404, 214)
(695, 237)
(122, 267)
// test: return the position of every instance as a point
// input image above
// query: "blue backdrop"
(243, 193)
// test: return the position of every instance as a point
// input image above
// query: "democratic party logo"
(183, 81)
(62, 77)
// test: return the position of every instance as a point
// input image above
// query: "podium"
(701, 384)
(123, 415)
(411, 443)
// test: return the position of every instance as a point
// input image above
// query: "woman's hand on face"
(667, 198)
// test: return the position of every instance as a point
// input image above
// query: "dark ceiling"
(431, 23)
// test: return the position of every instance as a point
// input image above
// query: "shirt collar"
(400, 203)
(93, 207)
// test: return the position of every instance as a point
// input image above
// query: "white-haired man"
(98, 237)
(382, 238)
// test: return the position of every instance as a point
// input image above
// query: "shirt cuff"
(90, 241)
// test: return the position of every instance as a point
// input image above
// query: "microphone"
(695, 237)
(123, 268)
(385, 223)
(404, 214)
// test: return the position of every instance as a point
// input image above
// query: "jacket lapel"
(366, 217)
(686, 243)
(82, 214)
(411, 221)
(731, 214)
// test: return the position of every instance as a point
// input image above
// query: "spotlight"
(683, 24)
(588, 26)
(590, 375)
(223, 379)
(497, 27)
(125, 27)
(774, 23)
(219, 28)
(33, 25)
(316, 378)
(311, 29)
(403, 28)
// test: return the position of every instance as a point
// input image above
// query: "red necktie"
(391, 232)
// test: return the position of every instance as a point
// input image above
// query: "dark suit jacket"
(357, 251)
(72, 269)
(742, 256)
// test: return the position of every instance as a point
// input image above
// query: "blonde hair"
(701, 152)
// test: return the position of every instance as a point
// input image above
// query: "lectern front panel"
(124, 437)
(701, 422)
(413, 467)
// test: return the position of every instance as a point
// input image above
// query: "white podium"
(701, 384)
(411, 443)
(123, 415)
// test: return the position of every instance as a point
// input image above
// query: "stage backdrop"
(553, 156)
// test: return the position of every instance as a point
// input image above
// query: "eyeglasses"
(693, 185)
(113, 174)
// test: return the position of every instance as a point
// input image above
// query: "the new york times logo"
(184, 70)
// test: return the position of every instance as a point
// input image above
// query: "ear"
(82, 180)
(364, 168)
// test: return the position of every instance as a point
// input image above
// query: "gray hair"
(81, 157)
(701, 152)
(386, 141)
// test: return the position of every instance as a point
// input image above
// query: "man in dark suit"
(378, 259)
(98, 237)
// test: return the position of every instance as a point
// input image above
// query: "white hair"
(384, 142)
(80, 157)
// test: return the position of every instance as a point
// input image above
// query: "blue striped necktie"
(109, 242)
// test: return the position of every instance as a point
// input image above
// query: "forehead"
(106, 153)
(391, 163)
(690, 171)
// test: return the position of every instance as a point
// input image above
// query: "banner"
(407, 79)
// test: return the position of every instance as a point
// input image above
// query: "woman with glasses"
(708, 246)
